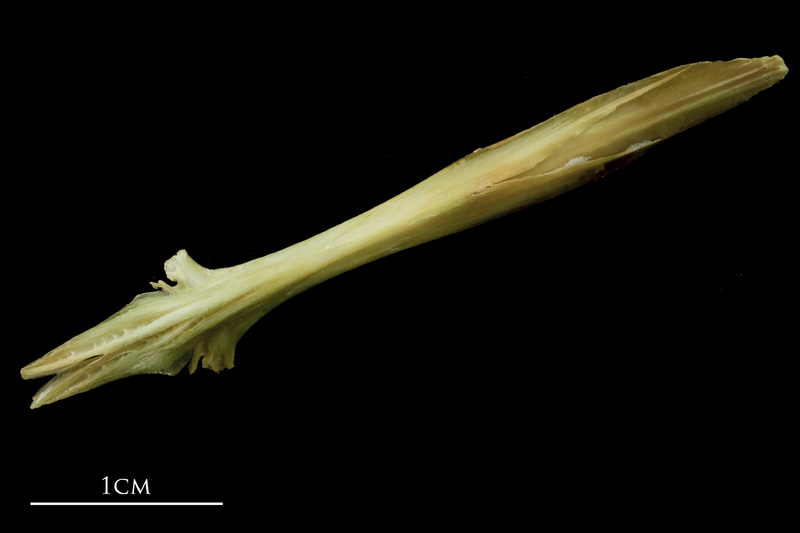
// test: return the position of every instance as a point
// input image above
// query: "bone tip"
(776, 65)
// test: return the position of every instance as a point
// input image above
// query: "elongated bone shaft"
(207, 311)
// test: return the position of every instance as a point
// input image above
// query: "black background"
(612, 354)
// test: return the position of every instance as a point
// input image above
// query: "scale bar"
(126, 503)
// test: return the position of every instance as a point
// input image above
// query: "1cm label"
(121, 487)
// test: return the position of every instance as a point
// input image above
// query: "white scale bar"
(126, 503)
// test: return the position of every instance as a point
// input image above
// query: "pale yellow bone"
(207, 311)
